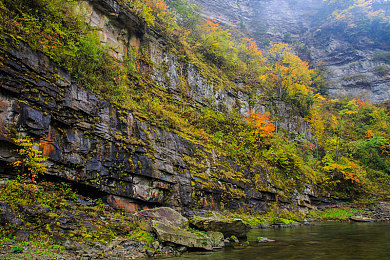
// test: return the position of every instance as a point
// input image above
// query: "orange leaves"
(364, 104)
(343, 171)
(17, 164)
(385, 149)
(157, 6)
(212, 25)
(252, 46)
(212, 29)
(262, 124)
(352, 177)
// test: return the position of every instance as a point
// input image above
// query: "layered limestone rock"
(351, 69)
(90, 141)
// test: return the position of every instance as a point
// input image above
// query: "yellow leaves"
(263, 78)
(152, 10)
(288, 74)
(335, 167)
(31, 162)
(317, 124)
(297, 70)
(363, 3)
(278, 49)
(334, 120)
(346, 170)
(338, 16)
(319, 97)
(351, 112)
(215, 43)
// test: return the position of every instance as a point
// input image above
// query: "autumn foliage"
(349, 139)
(31, 162)
(252, 47)
(263, 126)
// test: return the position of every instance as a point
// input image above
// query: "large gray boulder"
(173, 234)
(170, 226)
(228, 227)
(361, 219)
(164, 215)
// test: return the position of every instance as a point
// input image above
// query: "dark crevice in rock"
(80, 188)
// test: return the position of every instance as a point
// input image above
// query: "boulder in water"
(228, 227)
(361, 219)
(164, 215)
(173, 234)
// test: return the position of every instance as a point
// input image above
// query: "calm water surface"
(322, 241)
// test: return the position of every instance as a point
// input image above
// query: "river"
(320, 241)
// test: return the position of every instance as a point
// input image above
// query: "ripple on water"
(339, 241)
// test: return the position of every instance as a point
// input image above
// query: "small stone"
(155, 245)
(117, 241)
(62, 220)
(21, 235)
(72, 246)
(263, 226)
(361, 219)
(182, 249)
(264, 240)
(84, 202)
(150, 252)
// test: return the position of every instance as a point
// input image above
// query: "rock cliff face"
(136, 164)
(352, 71)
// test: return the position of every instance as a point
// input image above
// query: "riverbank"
(51, 221)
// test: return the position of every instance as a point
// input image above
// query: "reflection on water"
(326, 241)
